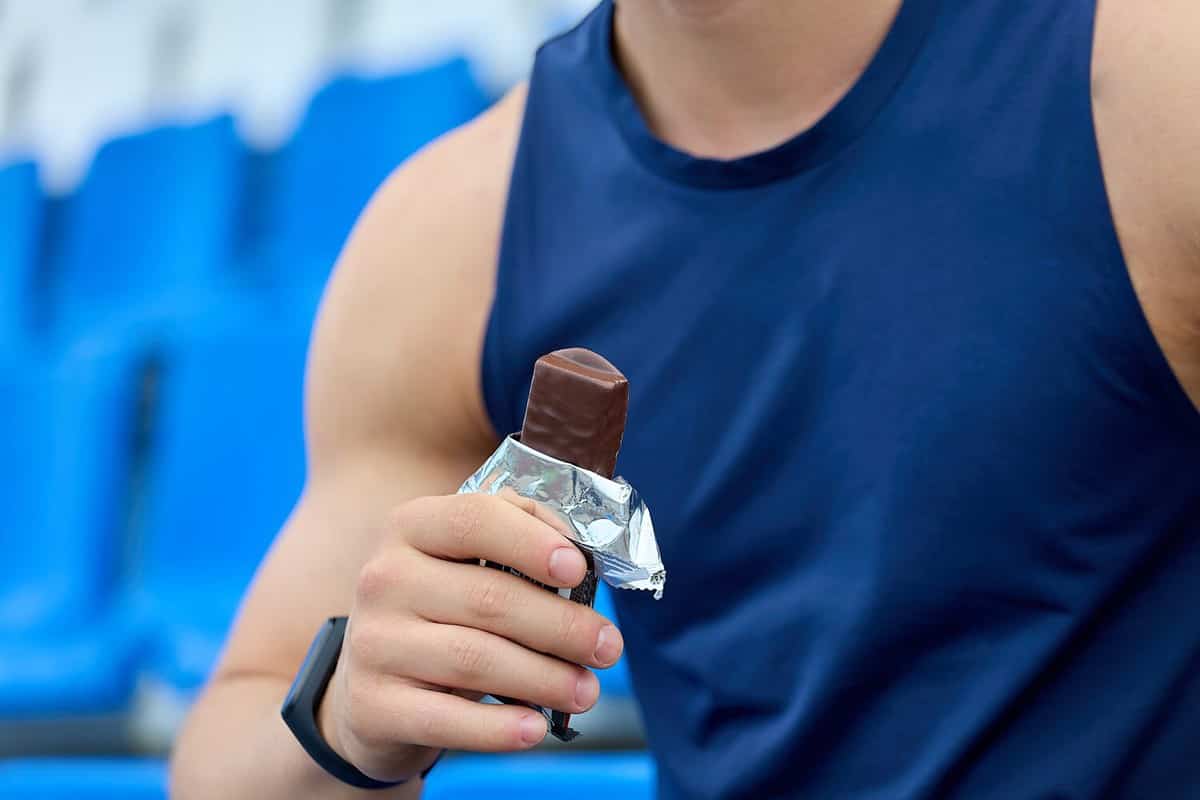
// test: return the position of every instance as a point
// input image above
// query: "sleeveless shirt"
(926, 488)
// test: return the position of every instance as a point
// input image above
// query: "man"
(913, 403)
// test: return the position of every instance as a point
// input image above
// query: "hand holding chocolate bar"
(431, 630)
(565, 459)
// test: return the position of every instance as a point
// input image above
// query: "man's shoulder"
(466, 169)
(435, 221)
(402, 320)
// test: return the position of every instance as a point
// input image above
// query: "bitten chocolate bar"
(564, 458)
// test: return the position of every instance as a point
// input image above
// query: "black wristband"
(303, 699)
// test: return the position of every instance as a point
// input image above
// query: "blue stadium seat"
(67, 428)
(628, 776)
(151, 231)
(225, 466)
(83, 779)
(21, 221)
(354, 133)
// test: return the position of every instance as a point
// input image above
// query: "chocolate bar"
(576, 413)
(576, 410)
(564, 458)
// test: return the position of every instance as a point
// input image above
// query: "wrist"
(319, 689)
(306, 698)
(419, 759)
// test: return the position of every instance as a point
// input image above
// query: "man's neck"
(725, 78)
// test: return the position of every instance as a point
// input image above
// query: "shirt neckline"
(842, 124)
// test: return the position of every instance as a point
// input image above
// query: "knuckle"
(374, 580)
(363, 644)
(491, 598)
(520, 550)
(558, 684)
(469, 658)
(571, 626)
(522, 502)
(401, 518)
(429, 727)
(464, 521)
(419, 514)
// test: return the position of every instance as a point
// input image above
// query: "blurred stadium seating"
(21, 211)
(67, 424)
(150, 231)
(176, 179)
(618, 775)
(83, 779)
(391, 117)
(225, 465)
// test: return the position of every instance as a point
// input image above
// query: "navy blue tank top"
(927, 491)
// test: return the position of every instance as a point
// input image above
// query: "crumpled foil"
(607, 517)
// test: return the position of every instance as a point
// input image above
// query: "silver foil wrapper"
(605, 516)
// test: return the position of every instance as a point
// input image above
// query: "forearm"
(235, 745)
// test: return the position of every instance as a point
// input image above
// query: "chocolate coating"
(576, 409)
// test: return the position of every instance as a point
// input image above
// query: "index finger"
(508, 530)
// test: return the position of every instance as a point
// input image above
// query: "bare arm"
(1147, 104)
(394, 419)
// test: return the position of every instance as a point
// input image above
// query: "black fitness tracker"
(300, 707)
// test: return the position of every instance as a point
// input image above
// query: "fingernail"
(608, 645)
(533, 728)
(587, 691)
(566, 565)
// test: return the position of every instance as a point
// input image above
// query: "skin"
(1146, 92)
(396, 353)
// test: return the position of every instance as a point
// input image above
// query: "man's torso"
(1001, 404)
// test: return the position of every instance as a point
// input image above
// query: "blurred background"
(176, 179)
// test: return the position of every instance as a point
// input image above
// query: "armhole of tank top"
(494, 378)
(1148, 347)
(492, 383)
(498, 393)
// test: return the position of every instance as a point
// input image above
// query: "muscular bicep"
(393, 408)
(394, 360)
